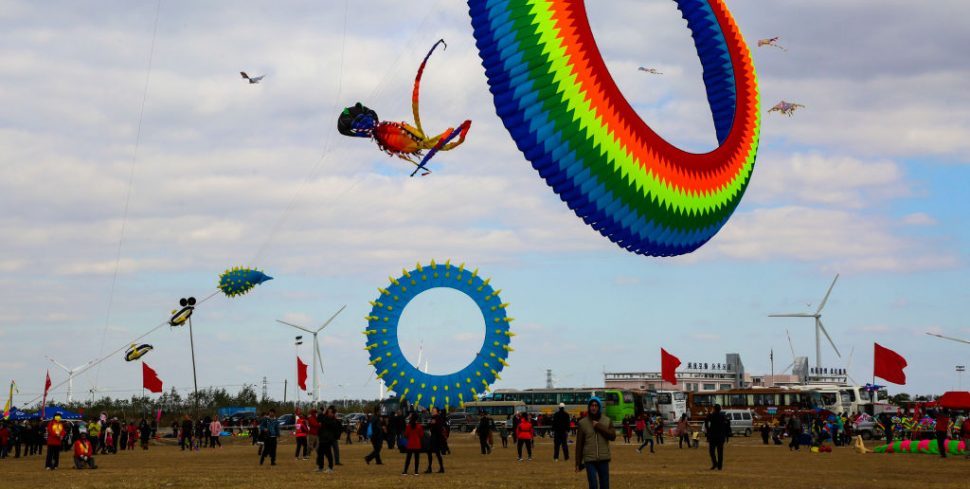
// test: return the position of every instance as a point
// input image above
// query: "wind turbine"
(317, 360)
(70, 376)
(958, 340)
(818, 325)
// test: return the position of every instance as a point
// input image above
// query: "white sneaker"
(520, 460)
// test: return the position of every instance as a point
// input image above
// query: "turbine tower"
(70, 377)
(317, 360)
(819, 328)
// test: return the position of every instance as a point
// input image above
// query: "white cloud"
(919, 219)
(838, 239)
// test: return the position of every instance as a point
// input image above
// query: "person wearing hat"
(83, 452)
(560, 433)
(55, 436)
(593, 436)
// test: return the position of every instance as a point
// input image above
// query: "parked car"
(287, 422)
(742, 421)
(462, 421)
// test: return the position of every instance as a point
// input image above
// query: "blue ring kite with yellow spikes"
(405, 379)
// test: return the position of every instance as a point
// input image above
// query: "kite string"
(323, 156)
(126, 345)
(131, 179)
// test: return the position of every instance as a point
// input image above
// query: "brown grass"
(748, 464)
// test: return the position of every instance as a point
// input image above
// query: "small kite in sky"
(238, 281)
(137, 351)
(771, 41)
(252, 79)
(786, 108)
(652, 71)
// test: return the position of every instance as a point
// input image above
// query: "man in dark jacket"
(329, 433)
(376, 428)
(185, 440)
(560, 433)
(483, 430)
(718, 428)
(269, 429)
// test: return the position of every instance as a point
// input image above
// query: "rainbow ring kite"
(567, 116)
(403, 377)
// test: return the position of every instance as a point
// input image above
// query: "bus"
(848, 399)
(499, 411)
(617, 403)
(671, 405)
(767, 403)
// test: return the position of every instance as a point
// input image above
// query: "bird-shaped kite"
(652, 71)
(771, 41)
(786, 108)
(252, 79)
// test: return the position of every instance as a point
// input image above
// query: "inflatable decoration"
(238, 281)
(929, 447)
(558, 101)
(135, 352)
(180, 316)
(429, 389)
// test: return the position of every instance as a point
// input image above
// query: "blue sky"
(867, 181)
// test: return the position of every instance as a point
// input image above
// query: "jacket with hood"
(593, 445)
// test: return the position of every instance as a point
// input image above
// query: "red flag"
(888, 365)
(668, 366)
(301, 369)
(149, 379)
(47, 387)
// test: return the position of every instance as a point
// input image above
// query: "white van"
(742, 421)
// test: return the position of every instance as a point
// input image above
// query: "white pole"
(818, 344)
(316, 385)
(70, 386)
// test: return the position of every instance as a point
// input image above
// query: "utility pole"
(195, 381)
(960, 370)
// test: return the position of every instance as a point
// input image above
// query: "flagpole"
(195, 381)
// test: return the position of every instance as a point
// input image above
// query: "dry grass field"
(748, 465)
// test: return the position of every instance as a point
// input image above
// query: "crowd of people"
(100, 436)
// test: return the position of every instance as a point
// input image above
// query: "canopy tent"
(49, 412)
(954, 400)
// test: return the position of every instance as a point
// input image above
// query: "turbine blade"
(949, 338)
(59, 364)
(826, 298)
(294, 325)
(792, 315)
(332, 318)
(826, 333)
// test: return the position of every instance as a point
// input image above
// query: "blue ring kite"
(404, 378)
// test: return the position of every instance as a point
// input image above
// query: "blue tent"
(49, 412)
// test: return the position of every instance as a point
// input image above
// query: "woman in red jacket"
(524, 434)
(414, 434)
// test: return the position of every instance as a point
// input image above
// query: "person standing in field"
(313, 431)
(329, 438)
(414, 434)
(524, 433)
(593, 436)
(560, 433)
(437, 428)
(145, 432)
(55, 435)
(717, 428)
(942, 430)
(794, 429)
(377, 433)
(215, 429)
(683, 431)
(483, 430)
(269, 430)
(185, 438)
(300, 429)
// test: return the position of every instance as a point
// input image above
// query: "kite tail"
(417, 86)
(443, 145)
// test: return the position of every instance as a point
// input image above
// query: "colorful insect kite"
(401, 139)
(238, 281)
(136, 352)
(652, 71)
(771, 41)
(786, 108)
(556, 97)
